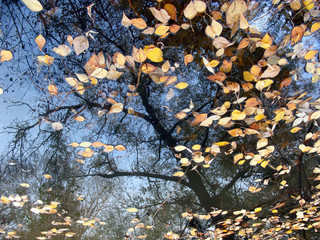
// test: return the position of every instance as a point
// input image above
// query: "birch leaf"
(33, 5)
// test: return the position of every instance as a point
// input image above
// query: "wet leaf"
(116, 108)
(262, 143)
(310, 54)
(296, 34)
(171, 10)
(155, 54)
(161, 15)
(286, 82)
(180, 148)
(25, 185)
(41, 41)
(79, 118)
(132, 210)
(53, 89)
(6, 55)
(33, 5)
(139, 23)
(62, 50)
(188, 59)
(295, 5)
(243, 21)
(234, 10)
(315, 27)
(161, 30)
(271, 71)
(57, 126)
(182, 85)
(244, 43)
(80, 44)
(178, 174)
(47, 176)
(190, 12)
(200, 6)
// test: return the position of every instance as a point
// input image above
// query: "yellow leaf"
(315, 115)
(120, 148)
(241, 162)
(243, 21)
(79, 118)
(53, 89)
(41, 41)
(295, 5)
(132, 210)
(262, 143)
(310, 54)
(47, 176)
(178, 174)
(6, 55)
(155, 55)
(257, 209)
(116, 108)
(247, 76)
(85, 144)
(213, 63)
(1, 91)
(221, 144)
(237, 157)
(200, 6)
(315, 27)
(108, 148)
(70, 234)
(283, 182)
(308, 4)
(196, 147)
(161, 30)
(33, 5)
(238, 115)
(47, 60)
(188, 59)
(182, 85)
(25, 185)
(264, 164)
(259, 117)
(295, 129)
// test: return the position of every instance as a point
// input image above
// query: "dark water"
(85, 166)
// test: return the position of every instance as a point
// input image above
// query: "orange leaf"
(52, 89)
(219, 76)
(41, 41)
(201, 117)
(244, 43)
(236, 132)
(286, 82)
(120, 148)
(6, 55)
(296, 34)
(188, 59)
(139, 23)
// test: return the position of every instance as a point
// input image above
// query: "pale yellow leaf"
(132, 210)
(190, 12)
(33, 5)
(62, 50)
(47, 176)
(80, 44)
(262, 143)
(180, 148)
(116, 108)
(178, 174)
(6, 55)
(25, 185)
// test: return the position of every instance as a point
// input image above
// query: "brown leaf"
(80, 44)
(296, 34)
(41, 41)
(286, 82)
(171, 10)
(244, 43)
(243, 21)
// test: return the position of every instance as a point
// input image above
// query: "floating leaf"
(178, 174)
(41, 41)
(182, 85)
(155, 54)
(33, 5)
(79, 118)
(132, 210)
(180, 148)
(80, 44)
(161, 15)
(315, 27)
(262, 143)
(47, 176)
(125, 21)
(53, 89)
(139, 23)
(62, 50)
(120, 148)
(161, 30)
(310, 54)
(57, 126)
(171, 10)
(6, 55)
(116, 108)
(190, 12)
(46, 60)
(188, 59)
(25, 185)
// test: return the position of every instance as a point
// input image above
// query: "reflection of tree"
(150, 134)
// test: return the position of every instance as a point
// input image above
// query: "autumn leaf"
(190, 12)
(132, 210)
(139, 23)
(271, 71)
(178, 174)
(47, 176)
(120, 148)
(315, 27)
(41, 41)
(62, 50)
(33, 5)
(6, 55)
(188, 59)
(25, 185)
(155, 54)
(53, 89)
(171, 10)
(116, 108)
(262, 143)
(57, 126)
(161, 15)
(234, 10)
(161, 30)
(182, 85)
(310, 54)
(286, 82)
(296, 34)
(244, 43)
(80, 44)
